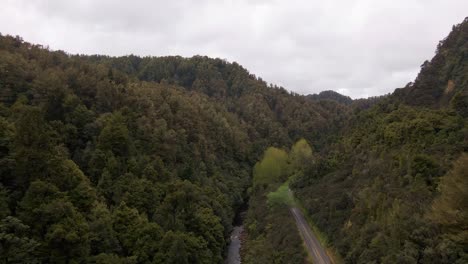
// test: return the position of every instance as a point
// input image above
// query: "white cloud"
(358, 47)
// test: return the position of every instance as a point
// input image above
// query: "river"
(235, 243)
(233, 256)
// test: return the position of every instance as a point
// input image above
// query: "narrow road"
(313, 246)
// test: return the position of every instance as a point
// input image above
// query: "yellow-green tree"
(300, 155)
(272, 168)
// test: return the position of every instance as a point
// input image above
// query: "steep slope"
(444, 77)
(377, 191)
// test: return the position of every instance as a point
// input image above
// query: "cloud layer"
(358, 47)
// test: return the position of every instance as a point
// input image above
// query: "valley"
(153, 160)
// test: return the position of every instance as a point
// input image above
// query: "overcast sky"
(359, 48)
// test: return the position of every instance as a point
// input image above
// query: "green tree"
(459, 103)
(115, 136)
(103, 238)
(15, 243)
(56, 221)
(450, 209)
(32, 145)
(183, 248)
(4, 202)
(300, 155)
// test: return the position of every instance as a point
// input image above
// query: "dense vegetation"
(393, 187)
(273, 236)
(146, 160)
(133, 160)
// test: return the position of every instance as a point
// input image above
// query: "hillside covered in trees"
(393, 188)
(146, 160)
(134, 160)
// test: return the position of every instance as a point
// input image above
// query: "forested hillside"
(134, 160)
(394, 187)
(444, 77)
(147, 159)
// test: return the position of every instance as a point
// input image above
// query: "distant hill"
(331, 95)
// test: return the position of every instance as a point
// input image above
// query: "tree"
(4, 202)
(300, 155)
(273, 168)
(126, 223)
(208, 225)
(15, 244)
(6, 160)
(115, 136)
(459, 103)
(450, 209)
(183, 248)
(53, 218)
(32, 145)
(103, 238)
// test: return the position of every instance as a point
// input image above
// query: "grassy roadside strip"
(332, 252)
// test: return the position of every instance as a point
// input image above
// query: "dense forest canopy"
(134, 160)
(146, 160)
